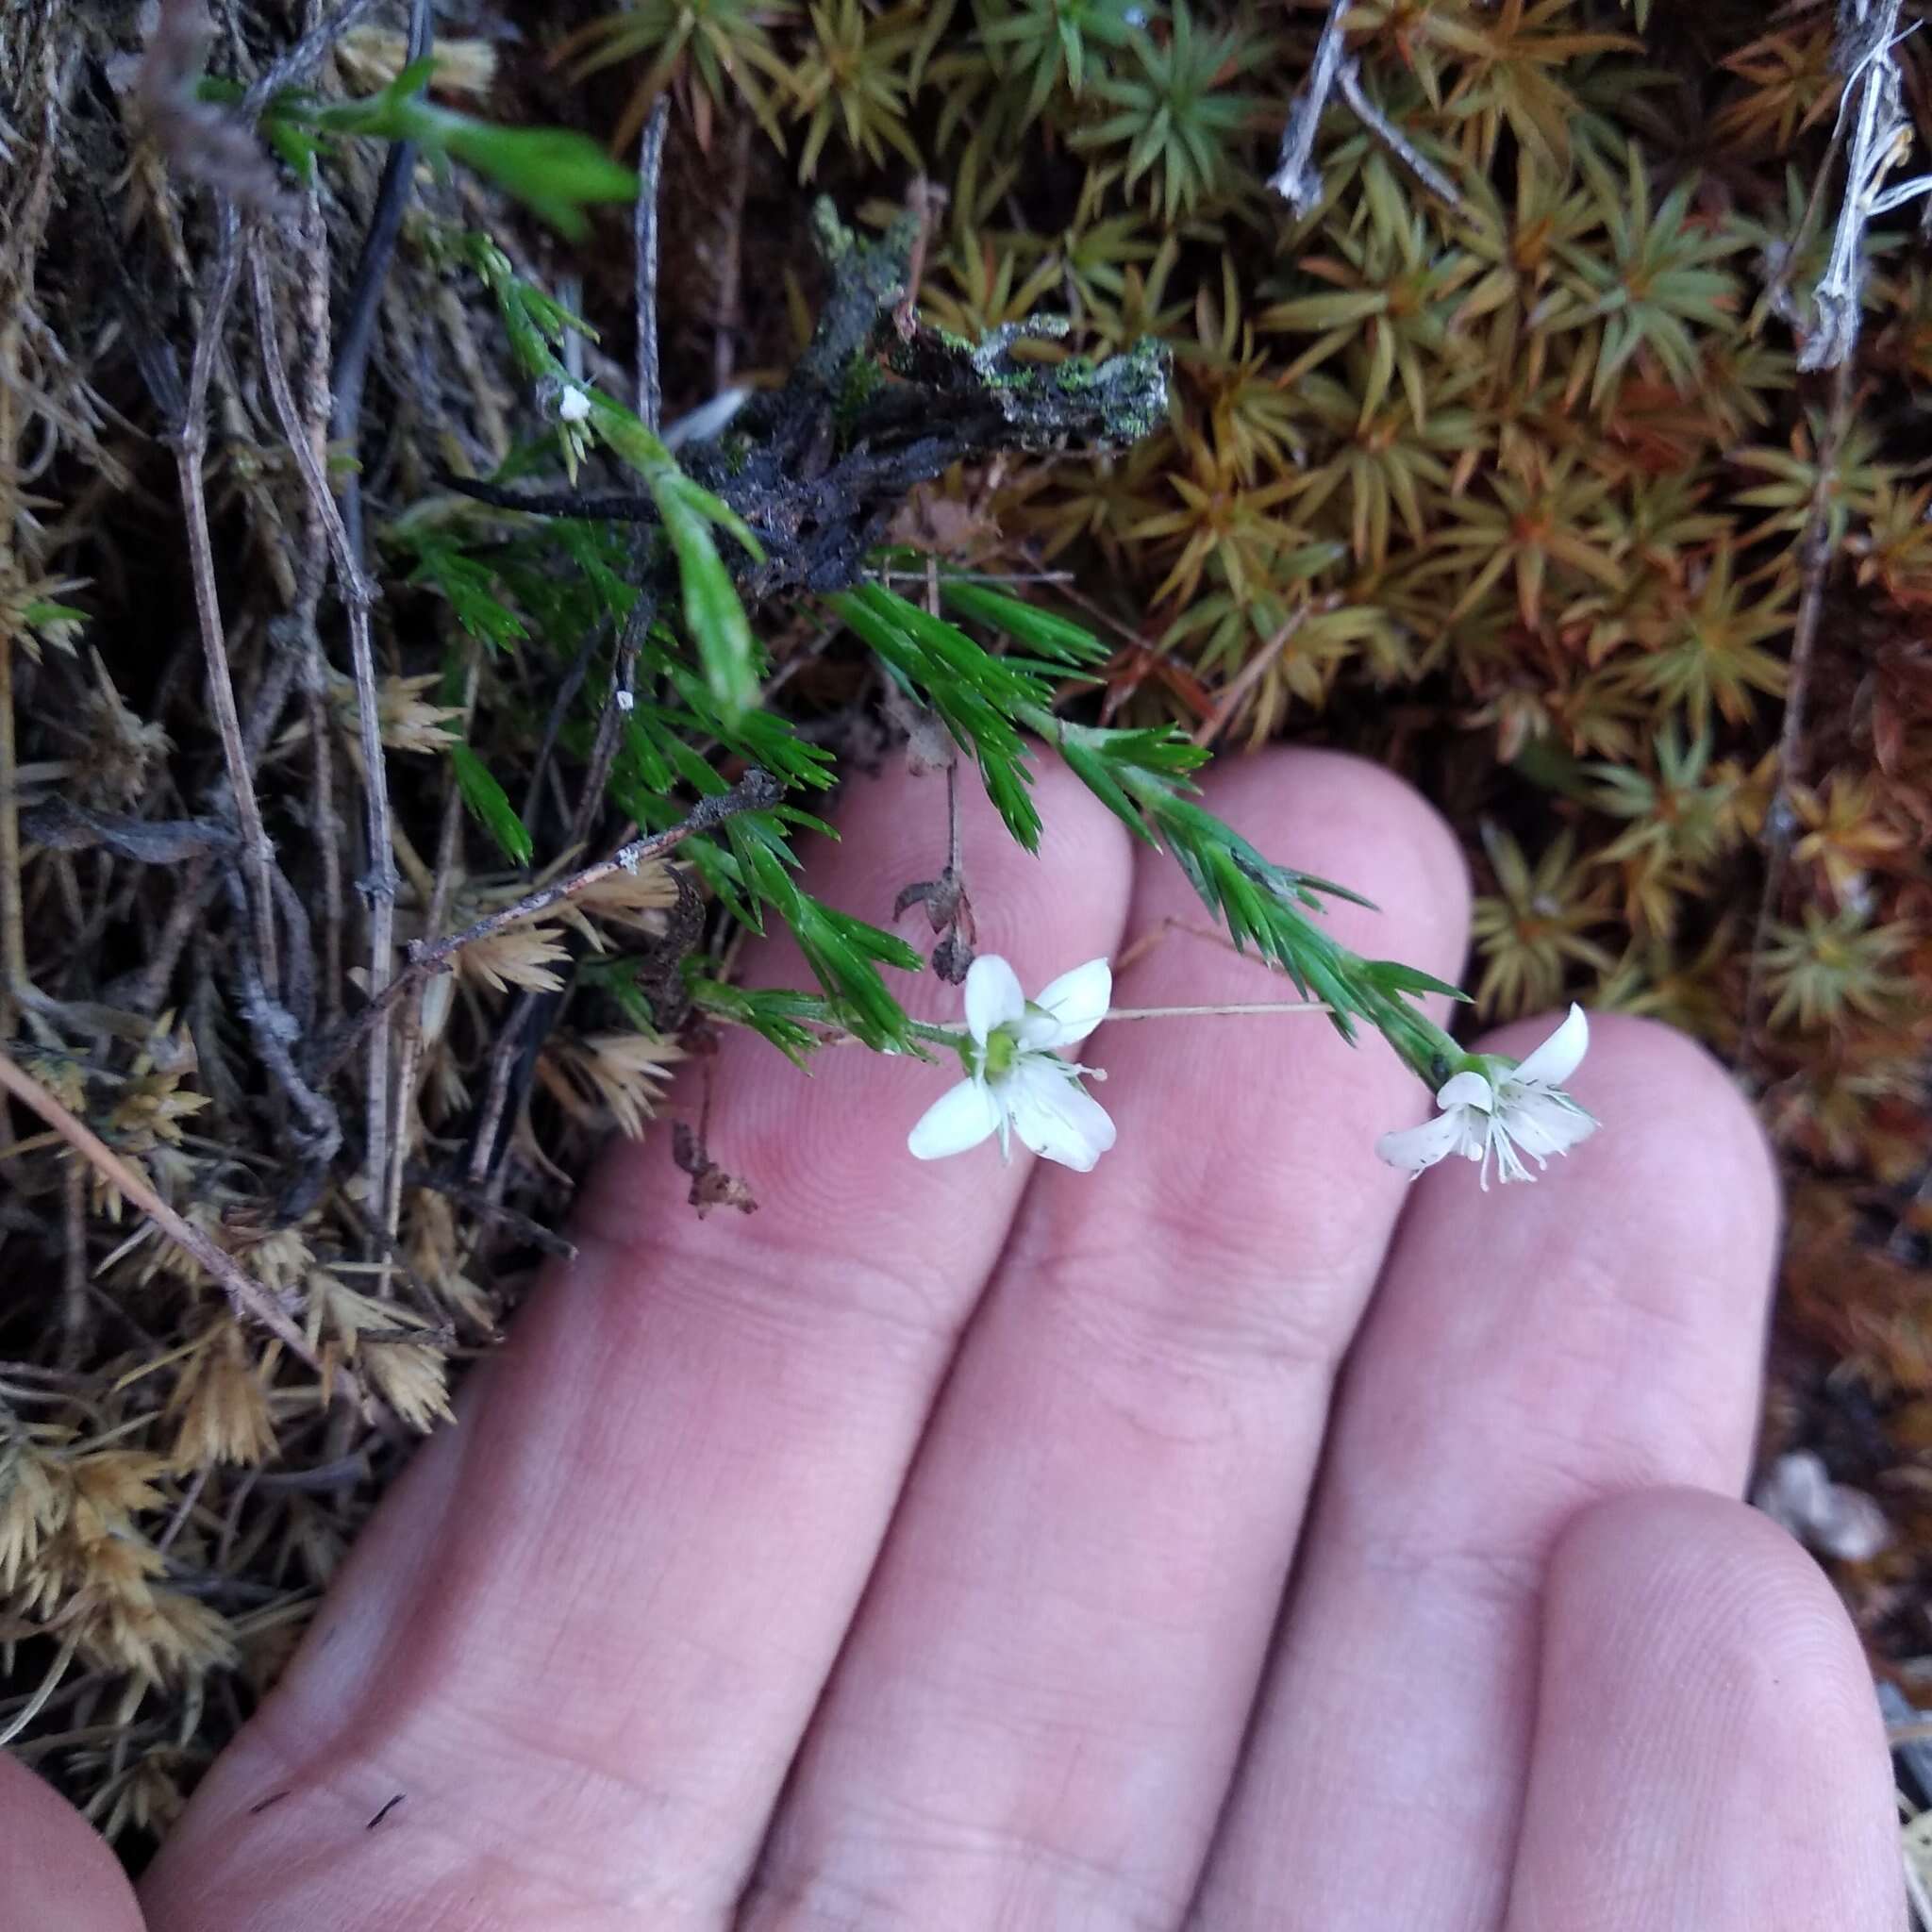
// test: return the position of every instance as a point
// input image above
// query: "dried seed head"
(222, 1403)
(621, 1075)
(632, 898)
(127, 1624)
(116, 1484)
(407, 720)
(522, 957)
(148, 1799)
(412, 1377)
(34, 1502)
(433, 1250)
(409, 1374)
(371, 56)
(279, 1259)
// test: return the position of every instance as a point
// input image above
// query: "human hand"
(912, 1553)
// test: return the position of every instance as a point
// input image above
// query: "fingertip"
(1682, 1580)
(55, 1869)
(1710, 1748)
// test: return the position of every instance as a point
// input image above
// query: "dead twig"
(294, 66)
(754, 791)
(513, 1048)
(926, 199)
(1349, 77)
(245, 1295)
(411, 1050)
(1295, 179)
(358, 594)
(191, 453)
(644, 232)
(1862, 50)
(365, 290)
(730, 269)
(636, 626)
(1815, 552)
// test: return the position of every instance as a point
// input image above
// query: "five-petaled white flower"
(1015, 1081)
(1494, 1106)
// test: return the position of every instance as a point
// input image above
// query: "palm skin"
(1231, 1539)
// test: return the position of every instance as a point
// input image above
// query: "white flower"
(1015, 1080)
(1496, 1106)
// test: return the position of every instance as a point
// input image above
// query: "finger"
(1531, 1349)
(55, 1869)
(1708, 1752)
(1036, 1717)
(586, 1635)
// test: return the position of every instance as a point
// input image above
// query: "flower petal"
(1547, 1122)
(1055, 1116)
(961, 1118)
(994, 998)
(1559, 1057)
(1413, 1149)
(1467, 1088)
(1069, 1007)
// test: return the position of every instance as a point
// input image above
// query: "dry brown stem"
(245, 1295)
(754, 791)
(1815, 552)
(379, 885)
(1252, 673)
(191, 453)
(644, 234)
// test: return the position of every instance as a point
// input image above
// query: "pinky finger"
(1708, 1752)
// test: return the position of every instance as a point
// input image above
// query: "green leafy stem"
(555, 171)
(1144, 776)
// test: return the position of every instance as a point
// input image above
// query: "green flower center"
(1002, 1050)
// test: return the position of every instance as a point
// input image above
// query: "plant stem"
(1815, 551)
(756, 791)
(245, 1295)
(1245, 1008)
(365, 290)
(357, 594)
(190, 452)
(650, 165)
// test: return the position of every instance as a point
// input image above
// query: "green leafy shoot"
(556, 172)
(843, 952)
(1053, 637)
(784, 1018)
(714, 618)
(709, 41)
(1176, 114)
(1038, 43)
(748, 866)
(490, 806)
(1143, 777)
(976, 695)
(465, 585)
